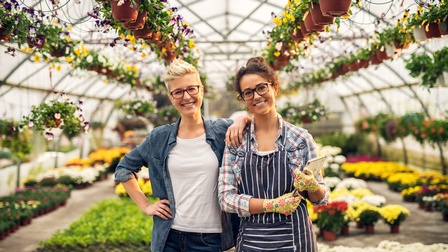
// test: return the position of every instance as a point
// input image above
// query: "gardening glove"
(304, 180)
(285, 204)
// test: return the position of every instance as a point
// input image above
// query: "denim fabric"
(192, 242)
(153, 153)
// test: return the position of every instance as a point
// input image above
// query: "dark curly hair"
(256, 65)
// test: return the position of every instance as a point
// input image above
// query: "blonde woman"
(183, 160)
(258, 179)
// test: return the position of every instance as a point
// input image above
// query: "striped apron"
(269, 177)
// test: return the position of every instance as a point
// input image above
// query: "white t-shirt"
(194, 172)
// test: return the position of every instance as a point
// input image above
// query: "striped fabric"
(269, 176)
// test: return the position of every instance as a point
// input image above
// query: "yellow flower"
(394, 214)
(36, 58)
(120, 191)
(68, 59)
(56, 21)
(277, 21)
(191, 44)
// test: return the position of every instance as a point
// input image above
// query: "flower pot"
(419, 34)
(359, 225)
(139, 22)
(317, 16)
(370, 229)
(345, 230)
(432, 31)
(395, 229)
(329, 235)
(382, 54)
(311, 26)
(303, 29)
(59, 51)
(297, 35)
(353, 66)
(38, 41)
(363, 63)
(332, 8)
(143, 33)
(5, 34)
(374, 59)
(125, 12)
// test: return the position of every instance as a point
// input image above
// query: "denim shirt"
(153, 153)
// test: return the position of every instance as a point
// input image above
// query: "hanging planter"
(332, 8)
(311, 26)
(139, 22)
(432, 31)
(304, 30)
(126, 12)
(297, 35)
(143, 33)
(38, 41)
(382, 54)
(443, 27)
(419, 34)
(318, 17)
(5, 34)
(61, 114)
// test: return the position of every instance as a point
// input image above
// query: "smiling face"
(259, 104)
(188, 104)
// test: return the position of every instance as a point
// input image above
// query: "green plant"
(307, 113)
(369, 216)
(60, 113)
(15, 138)
(137, 107)
(332, 216)
(428, 67)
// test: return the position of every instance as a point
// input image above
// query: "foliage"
(332, 216)
(164, 115)
(428, 67)
(98, 227)
(350, 144)
(137, 107)
(15, 138)
(307, 113)
(60, 113)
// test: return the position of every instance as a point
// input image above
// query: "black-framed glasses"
(179, 93)
(261, 89)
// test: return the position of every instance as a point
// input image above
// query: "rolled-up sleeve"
(130, 165)
(229, 199)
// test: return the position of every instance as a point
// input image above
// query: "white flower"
(334, 168)
(89, 59)
(340, 159)
(376, 200)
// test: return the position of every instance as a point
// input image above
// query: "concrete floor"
(421, 226)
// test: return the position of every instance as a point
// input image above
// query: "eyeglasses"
(261, 89)
(179, 93)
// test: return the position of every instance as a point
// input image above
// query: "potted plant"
(306, 113)
(59, 113)
(368, 217)
(15, 138)
(137, 108)
(394, 215)
(331, 217)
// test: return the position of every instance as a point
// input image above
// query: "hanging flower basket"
(311, 26)
(5, 34)
(124, 11)
(432, 31)
(61, 113)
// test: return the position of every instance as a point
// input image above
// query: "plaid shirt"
(300, 146)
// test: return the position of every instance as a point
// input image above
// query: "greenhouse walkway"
(27, 238)
(421, 226)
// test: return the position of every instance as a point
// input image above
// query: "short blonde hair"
(177, 69)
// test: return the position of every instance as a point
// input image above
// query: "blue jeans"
(179, 241)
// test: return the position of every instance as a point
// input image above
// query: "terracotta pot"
(433, 31)
(297, 35)
(5, 34)
(59, 51)
(125, 12)
(38, 41)
(354, 66)
(370, 229)
(329, 235)
(332, 8)
(382, 54)
(311, 26)
(395, 229)
(303, 29)
(139, 22)
(363, 63)
(317, 16)
(345, 230)
(142, 33)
